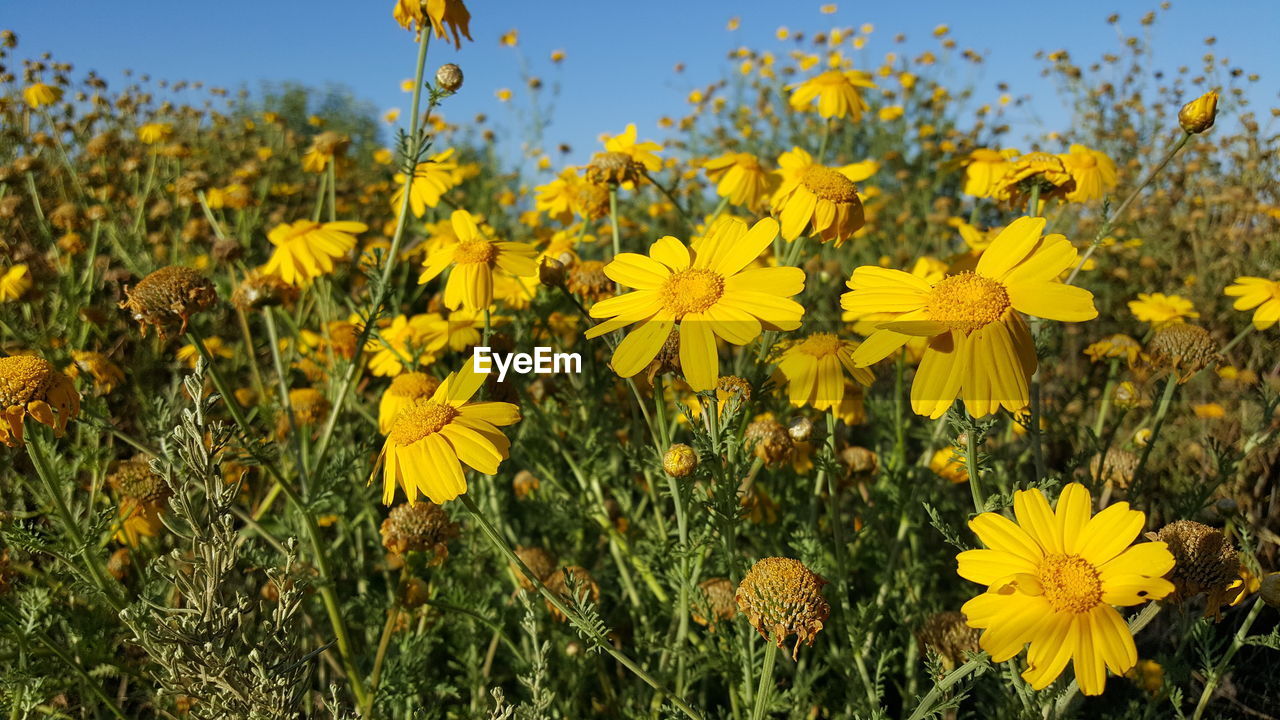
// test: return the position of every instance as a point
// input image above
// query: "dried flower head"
(134, 478)
(168, 297)
(1117, 469)
(948, 635)
(525, 484)
(614, 168)
(30, 386)
(859, 460)
(782, 597)
(1183, 349)
(559, 584)
(540, 562)
(1206, 562)
(419, 527)
(260, 290)
(587, 278)
(679, 460)
(717, 604)
(770, 441)
(449, 77)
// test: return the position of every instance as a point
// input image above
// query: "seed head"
(769, 440)
(540, 562)
(167, 297)
(717, 602)
(782, 597)
(1183, 349)
(614, 168)
(262, 290)
(134, 478)
(449, 77)
(1117, 469)
(1206, 562)
(419, 527)
(680, 460)
(948, 635)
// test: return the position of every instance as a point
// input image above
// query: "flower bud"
(449, 77)
(551, 272)
(1198, 115)
(680, 460)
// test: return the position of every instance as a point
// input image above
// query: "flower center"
(828, 184)
(1071, 583)
(967, 302)
(474, 251)
(421, 420)
(693, 290)
(23, 378)
(820, 345)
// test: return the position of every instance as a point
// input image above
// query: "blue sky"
(620, 56)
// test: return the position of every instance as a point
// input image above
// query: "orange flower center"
(474, 251)
(828, 184)
(693, 290)
(820, 345)
(967, 302)
(421, 420)
(1071, 583)
(23, 378)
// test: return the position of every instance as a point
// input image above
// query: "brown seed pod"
(781, 597)
(168, 297)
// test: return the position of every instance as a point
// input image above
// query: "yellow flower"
(822, 199)
(980, 349)
(1249, 292)
(703, 294)
(431, 438)
(509, 38)
(1033, 169)
(640, 152)
(38, 95)
(306, 249)
(406, 340)
(1053, 578)
(948, 464)
(1209, 411)
(815, 367)
(1160, 309)
(837, 93)
(1115, 346)
(106, 374)
(190, 354)
(474, 256)
(431, 179)
(405, 390)
(739, 177)
(1094, 173)
(154, 133)
(15, 283)
(1198, 115)
(889, 113)
(983, 170)
(30, 386)
(415, 14)
(557, 197)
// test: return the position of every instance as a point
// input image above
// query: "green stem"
(927, 705)
(763, 691)
(971, 466)
(1215, 675)
(586, 629)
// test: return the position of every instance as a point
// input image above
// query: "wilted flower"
(167, 297)
(781, 597)
(419, 527)
(31, 387)
(1206, 563)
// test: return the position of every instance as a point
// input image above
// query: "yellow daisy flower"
(154, 133)
(432, 178)
(430, 440)
(1053, 578)
(405, 390)
(306, 250)
(474, 257)
(640, 152)
(1093, 171)
(38, 95)
(740, 177)
(15, 283)
(838, 93)
(1115, 346)
(415, 14)
(822, 199)
(706, 293)
(1033, 169)
(984, 168)
(1160, 309)
(556, 198)
(980, 349)
(815, 368)
(30, 386)
(1249, 292)
(405, 340)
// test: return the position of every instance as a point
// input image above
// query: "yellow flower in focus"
(980, 349)
(1053, 578)
(38, 95)
(703, 294)
(1198, 115)
(451, 15)
(740, 177)
(474, 257)
(838, 93)
(815, 369)
(154, 133)
(1094, 173)
(306, 250)
(431, 179)
(983, 170)
(821, 199)
(640, 152)
(31, 387)
(1251, 293)
(405, 390)
(431, 438)
(1159, 309)
(15, 283)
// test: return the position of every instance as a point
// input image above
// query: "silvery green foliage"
(232, 654)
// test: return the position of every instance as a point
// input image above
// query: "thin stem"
(1215, 675)
(971, 466)
(603, 643)
(1163, 409)
(763, 691)
(930, 700)
(393, 613)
